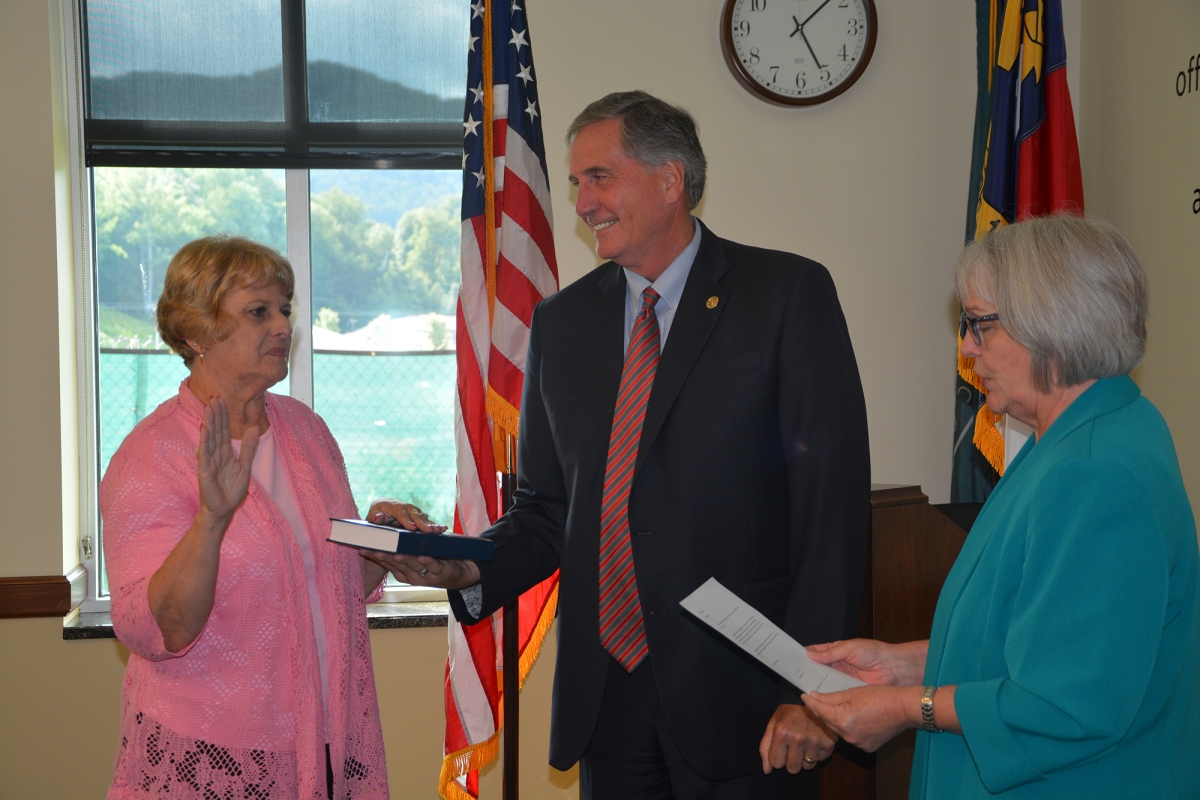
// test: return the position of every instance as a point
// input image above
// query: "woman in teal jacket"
(1064, 659)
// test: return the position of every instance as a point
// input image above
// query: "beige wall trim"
(42, 595)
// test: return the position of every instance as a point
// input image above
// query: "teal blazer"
(1070, 622)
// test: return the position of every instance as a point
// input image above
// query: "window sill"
(380, 616)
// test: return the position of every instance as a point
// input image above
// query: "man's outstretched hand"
(417, 570)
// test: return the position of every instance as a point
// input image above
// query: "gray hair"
(652, 132)
(1070, 289)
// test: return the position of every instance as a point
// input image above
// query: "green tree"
(350, 255)
(143, 216)
(425, 262)
(327, 318)
(361, 267)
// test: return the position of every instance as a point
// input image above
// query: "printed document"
(740, 623)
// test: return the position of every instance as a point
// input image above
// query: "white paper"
(742, 624)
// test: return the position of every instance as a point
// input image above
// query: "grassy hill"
(336, 93)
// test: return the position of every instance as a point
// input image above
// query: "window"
(328, 129)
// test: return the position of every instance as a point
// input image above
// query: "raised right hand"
(224, 476)
(873, 661)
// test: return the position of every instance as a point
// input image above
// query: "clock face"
(798, 52)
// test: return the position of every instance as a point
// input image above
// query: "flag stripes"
(508, 266)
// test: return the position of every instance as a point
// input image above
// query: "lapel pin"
(712, 302)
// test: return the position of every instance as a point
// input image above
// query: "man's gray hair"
(652, 132)
(1070, 289)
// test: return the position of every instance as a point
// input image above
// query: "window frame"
(308, 146)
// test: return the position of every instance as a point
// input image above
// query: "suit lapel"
(994, 516)
(693, 323)
(602, 353)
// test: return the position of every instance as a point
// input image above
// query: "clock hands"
(814, 55)
(810, 16)
(800, 30)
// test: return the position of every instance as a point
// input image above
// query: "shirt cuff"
(472, 598)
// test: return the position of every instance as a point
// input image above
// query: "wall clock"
(798, 52)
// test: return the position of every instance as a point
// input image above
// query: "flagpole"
(512, 628)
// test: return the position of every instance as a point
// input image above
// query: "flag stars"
(477, 9)
(471, 124)
(518, 39)
(531, 110)
(515, 7)
(479, 178)
(478, 92)
(525, 74)
(471, 47)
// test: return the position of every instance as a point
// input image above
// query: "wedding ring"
(808, 760)
(425, 572)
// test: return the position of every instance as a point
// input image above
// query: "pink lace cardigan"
(238, 714)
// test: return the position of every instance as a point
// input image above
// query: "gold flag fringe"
(966, 370)
(502, 413)
(478, 756)
(538, 635)
(988, 439)
(469, 759)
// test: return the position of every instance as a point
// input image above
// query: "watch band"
(927, 710)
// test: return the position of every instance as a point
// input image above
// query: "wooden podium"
(911, 547)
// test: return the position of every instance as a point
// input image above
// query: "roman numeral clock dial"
(798, 52)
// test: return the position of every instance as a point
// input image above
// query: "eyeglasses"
(965, 322)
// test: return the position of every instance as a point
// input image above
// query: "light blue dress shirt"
(669, 287)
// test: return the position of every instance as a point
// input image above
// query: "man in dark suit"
(692, 409)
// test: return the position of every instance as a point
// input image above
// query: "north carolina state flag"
(1025, 164)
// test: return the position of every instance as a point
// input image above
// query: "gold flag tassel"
(988, 439)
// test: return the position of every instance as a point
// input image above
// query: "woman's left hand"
(399, 515)
(402, 515)
(868, 716)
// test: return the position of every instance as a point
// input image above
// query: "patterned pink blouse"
(238, 713)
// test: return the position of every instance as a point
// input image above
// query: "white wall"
(1141, 167)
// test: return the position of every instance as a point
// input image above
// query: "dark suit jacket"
(753, 467)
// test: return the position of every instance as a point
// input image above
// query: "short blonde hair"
(199, 278)
(1070, 289)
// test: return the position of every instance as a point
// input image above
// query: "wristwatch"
(927, 710)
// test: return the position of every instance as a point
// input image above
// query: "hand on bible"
(402, 515)
(422, 571)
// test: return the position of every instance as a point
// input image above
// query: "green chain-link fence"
(391, 414)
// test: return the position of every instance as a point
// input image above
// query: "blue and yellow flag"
(1025, 164)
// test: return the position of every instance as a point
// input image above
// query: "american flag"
(508, 266)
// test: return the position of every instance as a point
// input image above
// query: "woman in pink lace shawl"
(249, 672)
